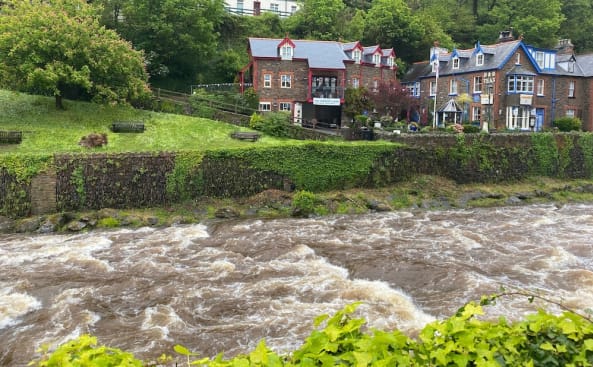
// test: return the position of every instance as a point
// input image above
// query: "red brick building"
(510, 85)
(308, 78)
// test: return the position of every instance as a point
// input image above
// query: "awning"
(451, 106)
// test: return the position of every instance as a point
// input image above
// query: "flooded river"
(223, 286)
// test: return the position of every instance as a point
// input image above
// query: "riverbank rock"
(226, 213)
(6, 224)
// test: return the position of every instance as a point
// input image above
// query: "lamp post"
(489, 87)
(465, 109)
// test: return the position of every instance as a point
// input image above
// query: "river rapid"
(223, 286)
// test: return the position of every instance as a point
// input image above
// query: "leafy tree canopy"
(59, 48)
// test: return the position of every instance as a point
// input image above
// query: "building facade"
(506, 85)
(283, 8)
(308, 78)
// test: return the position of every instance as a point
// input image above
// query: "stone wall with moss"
(142, 180)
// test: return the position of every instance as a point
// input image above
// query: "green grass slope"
(47, 130)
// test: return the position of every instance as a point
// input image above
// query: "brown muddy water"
(223, 286)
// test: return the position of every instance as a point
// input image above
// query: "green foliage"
(585, 142)
(108, 222)
(176, 45)
(470, 129)
(545, 154)
(304, 202)
(357, 100)
(78, 180)
(568, 124)
(84, 352)
(184, 182)
(206, 104)
(59, 49)
(317, 166)
(271, 123)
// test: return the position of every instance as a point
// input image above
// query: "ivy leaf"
(181, 350)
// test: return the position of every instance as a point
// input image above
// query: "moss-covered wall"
(142, 180)
(112, 180)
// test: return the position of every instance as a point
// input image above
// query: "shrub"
(467, 128)
(304, 203)
(568, 123)
(271, 123)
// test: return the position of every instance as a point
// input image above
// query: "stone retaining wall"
(97, 181)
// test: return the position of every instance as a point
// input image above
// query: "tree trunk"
(59, 104)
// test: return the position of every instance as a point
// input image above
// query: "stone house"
(308, 78)
(509, 85)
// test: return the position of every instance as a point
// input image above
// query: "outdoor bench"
(244, 135)
(127, 127)
(11, 137)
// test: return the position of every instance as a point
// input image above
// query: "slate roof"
(494, 57)
(319, 54)
(585, 64)
(416, 71)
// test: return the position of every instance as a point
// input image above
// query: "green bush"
(468, 129)
(304, 203)
(83, 352)
(464, 339)
(568, 124)
(271, 123)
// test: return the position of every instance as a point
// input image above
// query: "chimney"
(505, 36)
(564, 47)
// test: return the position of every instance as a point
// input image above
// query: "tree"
(391, 98)
(58, 48)
(317, 19)
(577, 24)
(538, 21)
(178, 36)
(391, 24)
(357, 101)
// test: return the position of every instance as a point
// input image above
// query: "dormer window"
(286, 52)
(571, 66)
(435, 66)
(455, 63)
(377, 59)
(356, 56)
(480, 59)
(390, 61)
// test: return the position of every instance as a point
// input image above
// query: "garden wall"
(77, 182)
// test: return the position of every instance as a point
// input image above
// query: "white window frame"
(267, 80)
(518, 59)
(285, 81)
(390, 61)
(541, 87)
(355, 83)
(286, 52)
(265, 106)
(285, 106)
(435, 66)
(453, 87)
(540, 58)
(520, 84)
(478, 84)
(293, 9)
(480, 59)
(375, 85)
(357, 56)
(455, 63)
(275, 8)
(476, 113)
(570, 112)
(518, 117)
(240, 5)
(432, 89)
(377, 59)
(571, 89)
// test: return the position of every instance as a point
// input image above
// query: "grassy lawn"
(47, 130)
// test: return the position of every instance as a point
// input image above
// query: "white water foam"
(14, 305)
